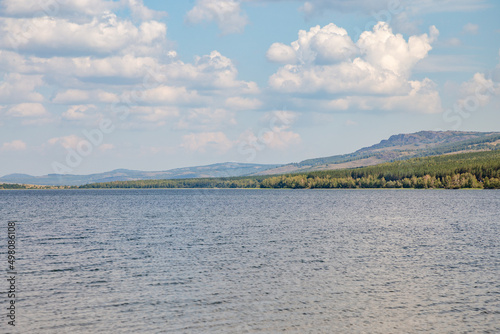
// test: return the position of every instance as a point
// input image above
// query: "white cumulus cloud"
(478, 92)
(226, 13)
(27, 110)
(318, 45)
(103, 34)
(68, 142)
(379, 63)
(20, 88)
(275, 133)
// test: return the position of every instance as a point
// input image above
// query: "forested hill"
(479, 170)
(398, 147)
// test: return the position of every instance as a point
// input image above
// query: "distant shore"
(477, 170)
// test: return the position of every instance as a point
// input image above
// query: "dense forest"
(12, 186)
(480, 170)
(484, 142)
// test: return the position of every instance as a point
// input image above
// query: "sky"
(88, 86)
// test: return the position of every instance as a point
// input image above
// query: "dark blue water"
(255, 261)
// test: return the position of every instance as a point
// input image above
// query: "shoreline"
(215, 188)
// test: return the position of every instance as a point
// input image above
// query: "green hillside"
(398, 147)
(454, 171)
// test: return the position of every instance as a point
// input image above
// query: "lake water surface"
(254, 261)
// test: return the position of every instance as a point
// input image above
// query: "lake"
(254, 261)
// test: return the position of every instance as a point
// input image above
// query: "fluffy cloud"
(391, 52)
(479, 85)
(104, 34)
(69, 44)
(68, 142)
(126, 66)
(209, 80)
(274, 134)
(96, 58)
(28, 113)
(27, 110)
(20, 88)
(279, 119)
(76, 9)
(15, 145)
(478, 92)
(139, 11)
(379, 63)
(71, 96)
(226, 13)
(212, 71)
(278, 134)
(200, 142)
(281, 53)
(281, 139)
(273, 139)
(383, 58)
(84, 68)
(320, 45)
(423, 98)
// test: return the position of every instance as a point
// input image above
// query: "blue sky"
(93, 85)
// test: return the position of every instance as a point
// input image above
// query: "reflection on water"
(252, 261)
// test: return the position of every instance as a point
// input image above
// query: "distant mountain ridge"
(226, 169)
(428, 138)
(396, 147)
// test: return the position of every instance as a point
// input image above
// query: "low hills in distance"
(227, 169)
(402, 147)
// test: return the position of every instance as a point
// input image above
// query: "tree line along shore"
(15, 186)
(477, 170)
